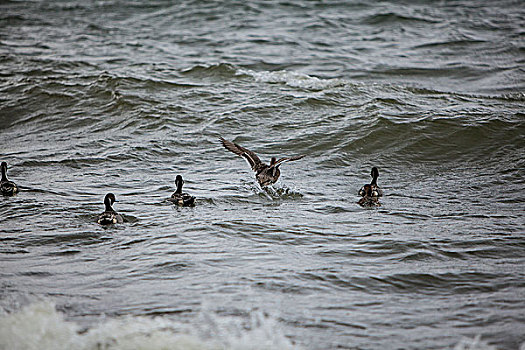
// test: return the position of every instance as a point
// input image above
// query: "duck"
(8, 188)
(179, 198)
(369, 200)
(109, 216)
(376, 190)
(265, 174)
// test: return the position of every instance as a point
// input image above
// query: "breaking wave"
(40, 326)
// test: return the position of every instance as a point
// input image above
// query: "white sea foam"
(40, 326)
(293, 79)
(474, 344)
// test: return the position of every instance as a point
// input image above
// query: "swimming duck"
(265, 174)
(179, 198)
(368, 199)
(8, 188)
(376, 190)
(109, 216)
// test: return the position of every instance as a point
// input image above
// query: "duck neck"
(107, 202)
(179, 187)
(4, 174)
(374, 181)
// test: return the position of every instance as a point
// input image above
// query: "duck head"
(109, 199)
(178, 183)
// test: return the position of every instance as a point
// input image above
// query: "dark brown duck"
(179, 198)
(265, 174)
(376, 190)
(8, 188)
(109, 216)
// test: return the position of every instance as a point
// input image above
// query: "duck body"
(265, 174)
(109, 216)
(183, 199)
(369, 200)
(179, 198)
(376, 191)
(7, 188)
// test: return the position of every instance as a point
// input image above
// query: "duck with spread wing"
(265, 174)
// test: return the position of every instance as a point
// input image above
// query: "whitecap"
(293, 79)
(40, 326)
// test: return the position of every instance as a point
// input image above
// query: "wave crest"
(292, 79)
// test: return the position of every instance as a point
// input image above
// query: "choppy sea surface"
(121, 96)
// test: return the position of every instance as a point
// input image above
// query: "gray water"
(121, 96)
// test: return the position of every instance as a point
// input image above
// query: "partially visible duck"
(265, 174)
(8, 188)
(368, 199)
(179, 198)
(109, 216)
(376, 190)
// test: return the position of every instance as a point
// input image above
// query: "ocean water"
(121, 96)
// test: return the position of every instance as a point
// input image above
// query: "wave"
(40, 326)
(226, 71)
(394, 18)
(384, 125)
(437, 139)
(220, 70)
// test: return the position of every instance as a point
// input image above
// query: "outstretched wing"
(287, 159)
(251, 157)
